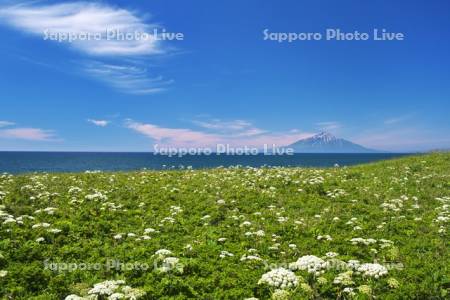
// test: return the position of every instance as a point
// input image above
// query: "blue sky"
(223, 83)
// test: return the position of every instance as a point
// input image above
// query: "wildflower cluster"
(279, 278)
(310, 263)
(112, 289)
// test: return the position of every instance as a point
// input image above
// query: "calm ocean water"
(23, 162)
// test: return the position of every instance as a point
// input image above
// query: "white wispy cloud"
(329, 126)
(173, 136)
(6, 123)
(235, 127)
(219, 124)
(186, 137)
(101, 123)
(402, 139)
(31, 134)
(401, 134)
(75, 18)
(126, 78)
(94, 19)
(396, 120)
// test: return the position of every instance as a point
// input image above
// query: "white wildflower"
(279, 278)
(310, 263)
(224, 254)
(372, 270)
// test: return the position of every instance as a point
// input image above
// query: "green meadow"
(375, 231)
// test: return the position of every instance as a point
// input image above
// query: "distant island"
(325, 142)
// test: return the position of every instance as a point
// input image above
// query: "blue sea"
(25, 162)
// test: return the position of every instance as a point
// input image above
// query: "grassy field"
(372, 231)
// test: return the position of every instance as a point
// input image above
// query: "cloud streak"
(101, 123)
(400, 134)
(185, 137)
(126, 78)
(329, 126)
(30, 134)
(5, 123)
(396, 120)
(173, 136)
(76, 18)
(234, 127)
(402, 140)
(94, 20)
